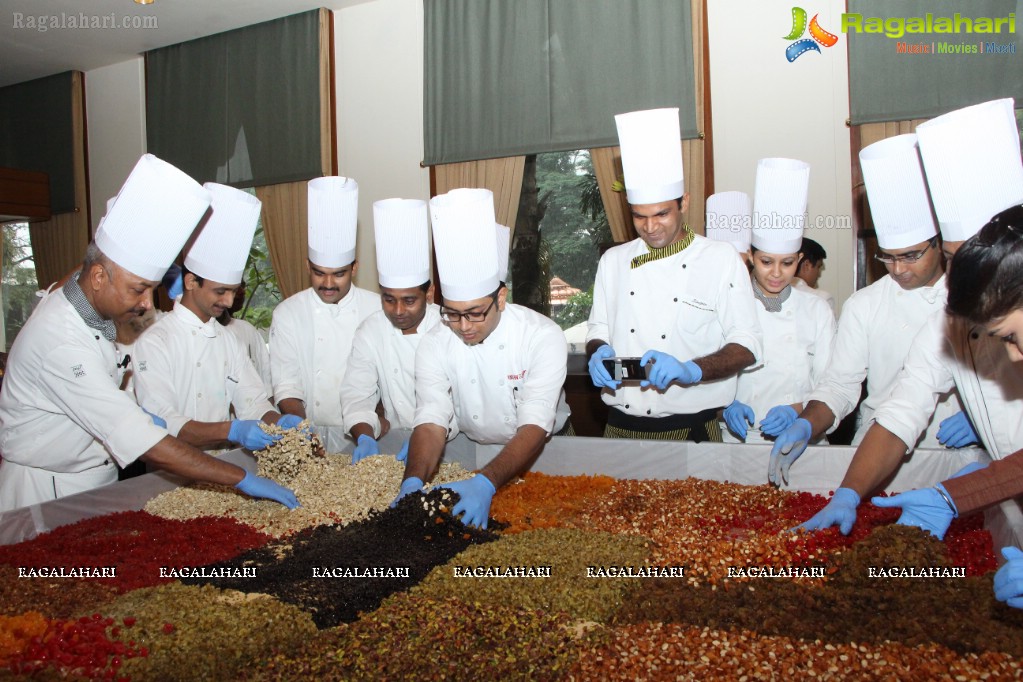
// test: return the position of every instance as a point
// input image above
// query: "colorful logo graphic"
(818, 36)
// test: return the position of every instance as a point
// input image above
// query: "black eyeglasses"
(911, 257)
(453, 316)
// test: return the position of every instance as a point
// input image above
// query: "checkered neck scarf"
(77, 299)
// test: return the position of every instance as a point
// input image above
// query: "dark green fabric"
(510, 77)
(242, 107)
(36, 134)
(886, 85)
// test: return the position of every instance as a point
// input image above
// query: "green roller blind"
(510, 77)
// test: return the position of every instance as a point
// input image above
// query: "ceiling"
(27, 52)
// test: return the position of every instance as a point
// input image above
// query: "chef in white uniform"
(974, 171)
(312, 332)
(383, 363)
(679, 300)
(190, 371)
(879, 322)
(730, 220)
(494, 370)
(798, 327)
(65, 426)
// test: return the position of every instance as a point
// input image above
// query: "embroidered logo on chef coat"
(142, 366)
(79, 371)
(517, 377)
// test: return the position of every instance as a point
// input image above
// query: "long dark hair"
(985, 281)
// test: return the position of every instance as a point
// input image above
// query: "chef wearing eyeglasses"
(878, 323)
(493, 368)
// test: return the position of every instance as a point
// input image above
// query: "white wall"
(763, 106)
(116, 125)
(379, 87)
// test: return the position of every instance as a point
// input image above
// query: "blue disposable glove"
(257, 486)
(956, 431)
(737, 416)
(408, 486)
(289, 421)
(1009, 578)
(840, 511)
(924, 508)
(667, 369)
(598, 373)
(248, 434)
(159, 421)
(174, 281)
(788, 446)
(403, 453)
(366, 447)
(779, 418)
(474, 504)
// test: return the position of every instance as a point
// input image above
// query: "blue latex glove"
(289, 421)
(779, 418)
(924, 508)
(840, 511)
(248, 434)
(159, 421)
(366, 447)
(257, 486)
(957, 431)
(476, 494)
(737, 416)
(788, 446)
(598, 373)
(410, 485)
(1009, 578)
(668, 369)
(174, 281)
(403, 453)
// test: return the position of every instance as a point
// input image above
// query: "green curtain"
(888, 85)
(241, 107)
(511, 77)
(36, 134)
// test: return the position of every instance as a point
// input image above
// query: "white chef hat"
(972, 160)
(222, 246)
(333, 221)
(779, 205)
(463, 236)
(894, 178)
(503, 234)
(402, 242)
(651, 143)
(151, 218)
(729, 219)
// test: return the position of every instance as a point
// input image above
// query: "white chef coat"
(382, 368)
(310, 342)
(949, 351)
(188, 370)
(797, 349)
(256, 347)
(798, 283)
(63, 420)
(875, 336)
(489, 390)
(689, 305)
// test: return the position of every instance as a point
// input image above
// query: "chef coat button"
(475, 417)
(97, 338)
(632, 293)
(663, 336)
(198, 364)
(320, 339)
(501, 347)
(395, 370)
(193, 332)
(648, 411)
(472, 381)
(683, 266)
(626, 406)
(317, 403)
(633, 331)
(675, 299)
(200, 395)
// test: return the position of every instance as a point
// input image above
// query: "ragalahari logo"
(818, 36)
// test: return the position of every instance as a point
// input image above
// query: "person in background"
(809, 269)
(798, 328)
(494, 370)
(65, 425)
(312, 332)
(729, 219)
(382, 367)
(974, 169)
(191, 372)
(879, 322)
(250, 337)
(679, 300)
